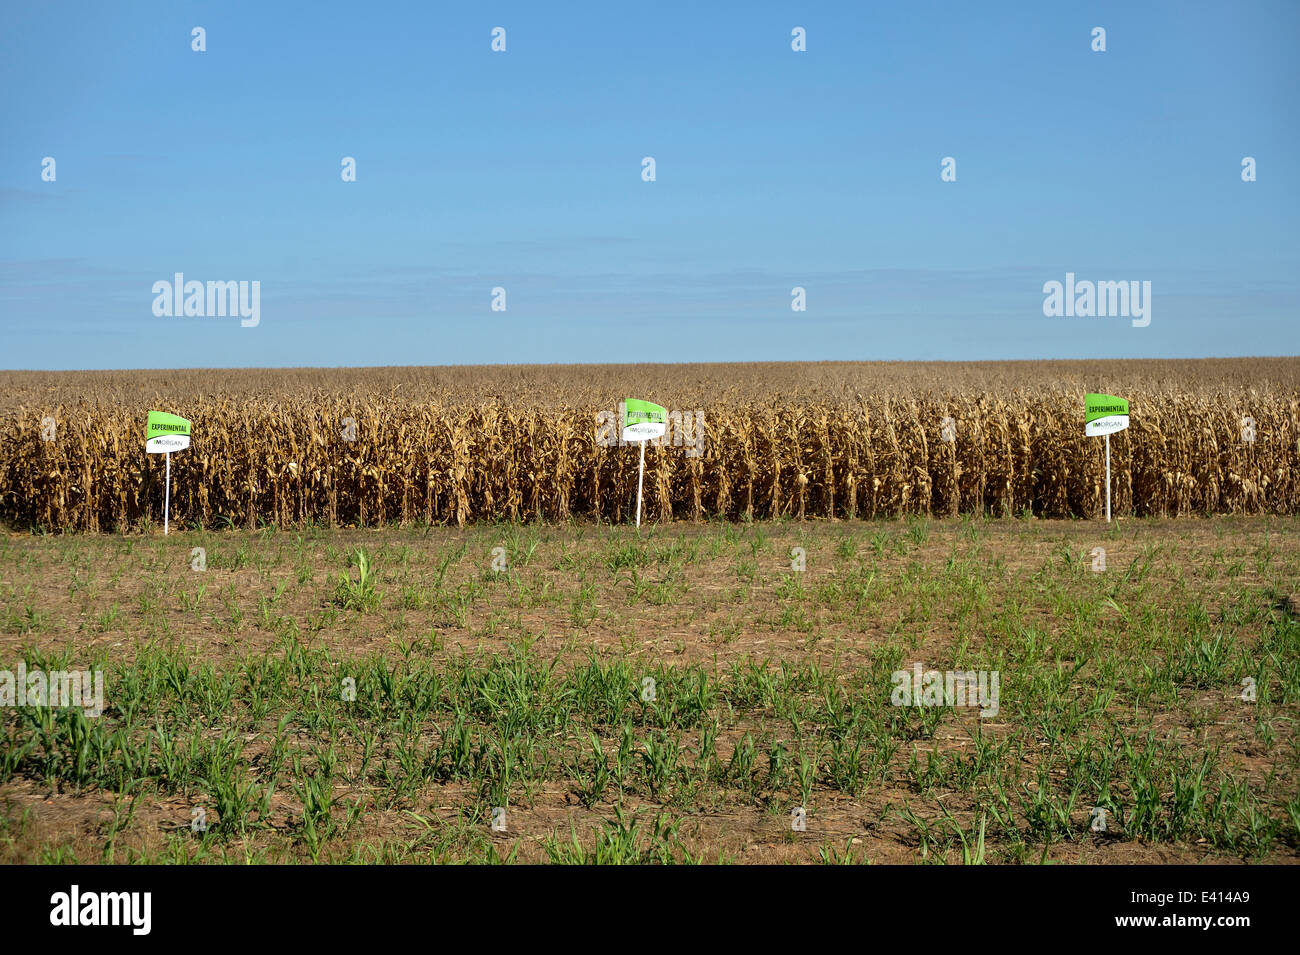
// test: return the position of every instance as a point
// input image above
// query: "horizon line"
(659, 364)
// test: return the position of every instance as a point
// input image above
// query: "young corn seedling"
(359, 594)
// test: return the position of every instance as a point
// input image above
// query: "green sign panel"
(164, 433)
(1098, 406)
(643, 420)
(1104, 414)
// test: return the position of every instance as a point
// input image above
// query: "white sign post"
(1104, 415)
(165, 433)
(640, 480)
(643, 421)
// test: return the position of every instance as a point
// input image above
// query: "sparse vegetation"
(372, 696)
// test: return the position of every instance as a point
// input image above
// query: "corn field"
(805, 442)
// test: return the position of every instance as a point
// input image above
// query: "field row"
(377, 459)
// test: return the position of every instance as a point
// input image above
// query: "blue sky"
(522, 170)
